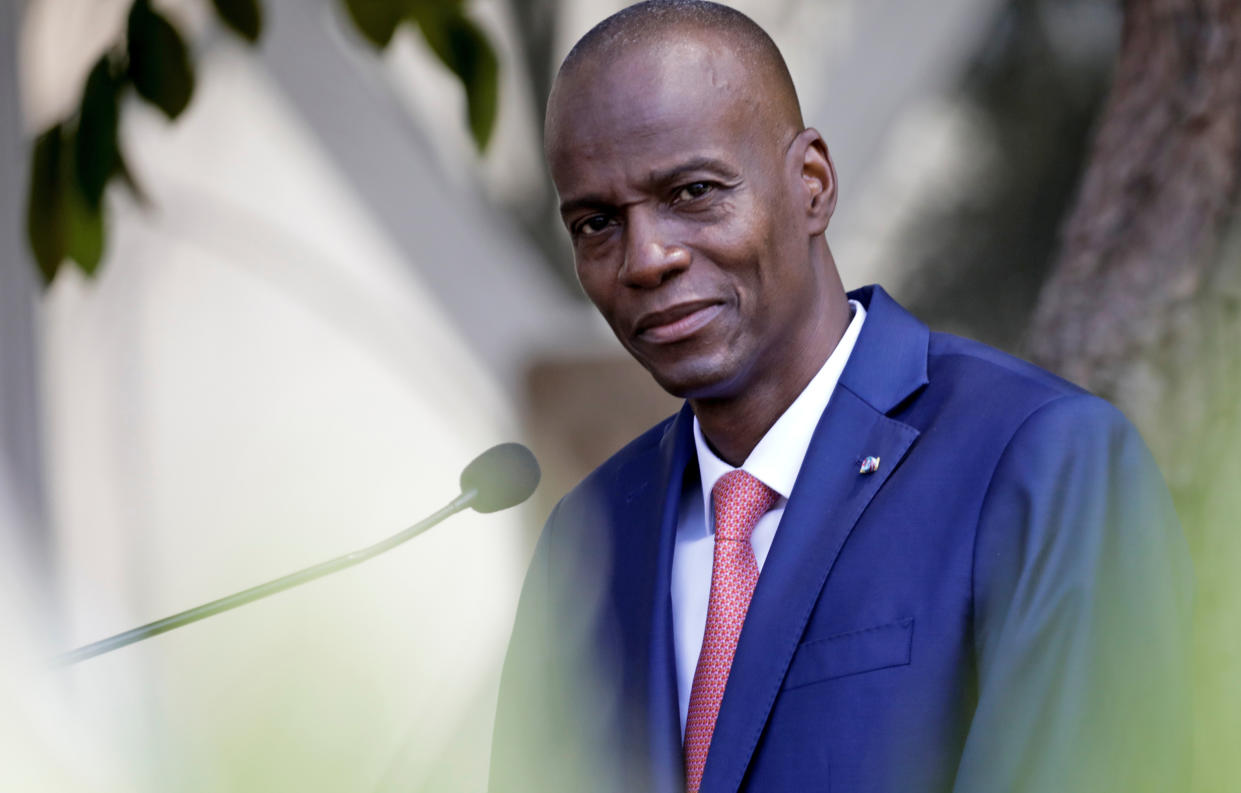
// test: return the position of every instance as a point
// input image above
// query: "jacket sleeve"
(547, 735)
(523, 727)
(1081, 614)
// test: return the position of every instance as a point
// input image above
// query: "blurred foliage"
(245, 17)
(159, 63)
(977, 257)
(73, 161)
(61, 222)
(464, 49)
(95, 146)
(454, 39)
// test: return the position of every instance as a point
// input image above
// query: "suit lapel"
(887, 365)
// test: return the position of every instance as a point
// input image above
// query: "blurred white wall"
(258, 380)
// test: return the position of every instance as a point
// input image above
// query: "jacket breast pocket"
(852, 653)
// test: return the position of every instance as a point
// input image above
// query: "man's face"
(681, 196)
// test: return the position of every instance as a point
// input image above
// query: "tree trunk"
(1145, 289)
(1143, 306)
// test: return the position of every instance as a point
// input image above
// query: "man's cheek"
(595, 290)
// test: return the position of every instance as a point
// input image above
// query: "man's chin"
(693, 379)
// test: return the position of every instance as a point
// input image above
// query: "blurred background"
(323, 298)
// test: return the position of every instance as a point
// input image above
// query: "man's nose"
(651, 255)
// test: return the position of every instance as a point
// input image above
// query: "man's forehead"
(642, 86)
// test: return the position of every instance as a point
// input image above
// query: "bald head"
(668, 30)
(655, 20)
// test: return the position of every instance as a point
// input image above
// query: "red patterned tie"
(738, 500)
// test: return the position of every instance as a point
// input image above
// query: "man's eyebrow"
(659, 177)
(584, 202)
(696, 164)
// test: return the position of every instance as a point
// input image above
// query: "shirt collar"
(777, 459)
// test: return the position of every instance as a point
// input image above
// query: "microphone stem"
(262, 590)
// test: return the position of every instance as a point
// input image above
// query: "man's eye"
(693, 190)
(593, 224)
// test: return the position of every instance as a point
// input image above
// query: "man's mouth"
(678, 322)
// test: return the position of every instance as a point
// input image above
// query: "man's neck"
(734, 425)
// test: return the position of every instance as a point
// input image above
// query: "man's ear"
(818, 177)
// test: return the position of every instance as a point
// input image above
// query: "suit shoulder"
(987, 395)
(610, 476)
(967, 358)
(1002, 382)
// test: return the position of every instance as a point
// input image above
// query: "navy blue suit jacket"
(999, 607)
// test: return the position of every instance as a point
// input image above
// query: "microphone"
(499, 478)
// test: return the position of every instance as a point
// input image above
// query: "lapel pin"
(869, 465)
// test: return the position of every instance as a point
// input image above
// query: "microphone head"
(501, 477)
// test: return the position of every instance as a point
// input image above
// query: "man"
(938, 568)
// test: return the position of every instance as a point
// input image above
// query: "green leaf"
(83, 229)
(245, 17)
(95, 149)
(377, 20)
(455, 40)
(60, 222)
(159, 63)
(45, 221)
(465, 50)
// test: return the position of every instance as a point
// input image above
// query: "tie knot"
(739, 500)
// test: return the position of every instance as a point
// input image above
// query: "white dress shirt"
(775, 461)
